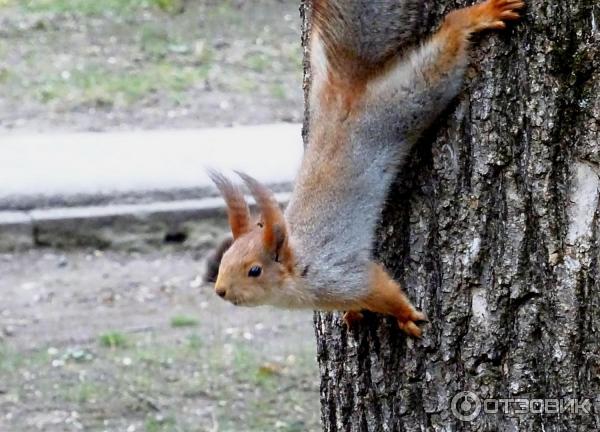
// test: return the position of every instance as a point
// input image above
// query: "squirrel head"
(259, 264)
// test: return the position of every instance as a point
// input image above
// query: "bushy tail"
(214, 261)
(361, 35)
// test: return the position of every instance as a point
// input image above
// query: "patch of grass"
(247, 367)
(12, 360)
(159, 424)
(113, 340)
(102, 87)
(258, 62)
(203, 53)
(278, 91)
(9, 360)
(142, 380)
(160, 355)
(243, 85)
(194, 342)
(292, 53)
(183, 321)
(155, 41)
(227, 19)
(99, 7)
(226, 13)
(83, 392)
(171, 6)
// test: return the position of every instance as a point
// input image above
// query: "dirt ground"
(124, 341)
(119, 341)
(144, 64)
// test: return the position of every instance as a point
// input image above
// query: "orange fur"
(351, 318)
(342, 96)
(347, 77)
(237, 208)
(460, 24)
(339, 57)
(275, 235)
(233, 283)
(385, 297)
(341, 85)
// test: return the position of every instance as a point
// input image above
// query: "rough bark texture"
(493, 228)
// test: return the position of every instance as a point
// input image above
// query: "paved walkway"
(115, 163)
(109, 189)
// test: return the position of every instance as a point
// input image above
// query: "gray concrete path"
(117, 163)
(53, 185)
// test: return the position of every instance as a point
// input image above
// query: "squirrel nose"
(221, 293)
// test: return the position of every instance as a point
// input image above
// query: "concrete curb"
(133, 189)
(16, 231)
(196, 223)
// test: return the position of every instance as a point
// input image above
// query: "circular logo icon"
(466, 406)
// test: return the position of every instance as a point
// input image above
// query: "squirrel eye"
(255, 271)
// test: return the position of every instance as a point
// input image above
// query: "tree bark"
(493, 228)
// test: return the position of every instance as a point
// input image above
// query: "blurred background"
(83, 65)
(110, 111)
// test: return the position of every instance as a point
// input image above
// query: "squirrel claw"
(351, 318)
(410, 328)
(409, 325)
(493, 14)
(419, 317)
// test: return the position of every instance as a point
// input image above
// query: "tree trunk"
(493, 227)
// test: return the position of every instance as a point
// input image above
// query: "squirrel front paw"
(493, 14)
(408, 324)
(387, 297)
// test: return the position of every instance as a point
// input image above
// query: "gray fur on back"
(379, 28)
(332, 227)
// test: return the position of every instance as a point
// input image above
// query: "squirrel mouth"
(236, 301)
(242, 303)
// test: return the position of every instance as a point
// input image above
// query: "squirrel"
(369, 103)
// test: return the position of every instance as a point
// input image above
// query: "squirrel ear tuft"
(271, 213)
(237, 208)
(275, 234)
